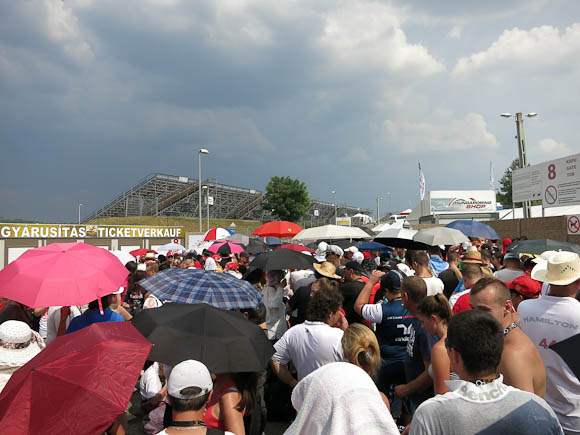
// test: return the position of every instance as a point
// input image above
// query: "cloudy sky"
(344, 95)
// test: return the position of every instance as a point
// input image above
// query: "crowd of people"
(448, 340)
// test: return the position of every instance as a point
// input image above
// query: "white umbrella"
(330, 232)
(396, 233)
(171, 247)
(440, 236)
(123, 256)
(382, 227)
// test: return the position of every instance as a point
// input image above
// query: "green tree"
(287, 198)
(504, 195)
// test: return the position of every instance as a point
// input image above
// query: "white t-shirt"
(507, 274)
(53, 321)
(434, 285)
(210, 264)
(548, 320)
(275, 311)
(150, 384)
(309, 345)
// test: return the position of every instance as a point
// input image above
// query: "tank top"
(209, 418)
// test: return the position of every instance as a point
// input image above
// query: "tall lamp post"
(335, 206)
(521, 147)
(80, 213)
(389, 199)
(199, 153)
(379, 210)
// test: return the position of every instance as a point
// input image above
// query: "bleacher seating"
(169, 195)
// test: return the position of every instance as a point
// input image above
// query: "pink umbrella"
(62, 274)
(227, 248)
(217, 234)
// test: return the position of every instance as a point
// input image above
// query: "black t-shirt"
(350, 291)
(299, 301)
(450, 282)
(419, 349)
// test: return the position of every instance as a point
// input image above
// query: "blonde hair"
(361, 348)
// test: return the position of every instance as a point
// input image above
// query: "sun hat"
(327, 269)
(525, 286)
(544, 256)
(472, 257)
(562, 268)
(186, 374)
(358, 256)
(335, 249)
(18, 344)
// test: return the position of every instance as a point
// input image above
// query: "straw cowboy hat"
(562, 268)
(472, 257)
(327, 269)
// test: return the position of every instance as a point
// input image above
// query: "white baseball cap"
(187, 374)
(358, 256)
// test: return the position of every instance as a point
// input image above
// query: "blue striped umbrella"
(196, 286)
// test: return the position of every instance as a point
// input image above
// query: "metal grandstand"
(170, 195)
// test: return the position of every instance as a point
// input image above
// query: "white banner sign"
(462, 201)
(556, 183)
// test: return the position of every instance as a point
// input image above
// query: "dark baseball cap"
(354, 265)
(392, 281)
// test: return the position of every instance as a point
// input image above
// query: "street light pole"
(389, 196)
(335, 206)
(379, 210)
(199, 153)
(80, 213)
(522, 148)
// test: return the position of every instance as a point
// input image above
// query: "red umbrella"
(62, 274)
(295, 247)
(80, 384)
(227, 248)
(217, 234)
(142, 251)
(278, 229)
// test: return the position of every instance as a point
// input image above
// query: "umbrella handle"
(101, 307)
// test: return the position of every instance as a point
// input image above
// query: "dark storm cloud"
(345, 95)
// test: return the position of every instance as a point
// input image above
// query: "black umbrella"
(223, 340)
(541, 245)
(282, 259)
(256, 246)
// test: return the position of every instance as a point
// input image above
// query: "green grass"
(190, 225)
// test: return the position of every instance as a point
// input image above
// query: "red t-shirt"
(462, 304)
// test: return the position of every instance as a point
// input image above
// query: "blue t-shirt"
(394, 330)
(93, 316)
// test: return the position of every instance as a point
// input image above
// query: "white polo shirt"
(309, 345)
